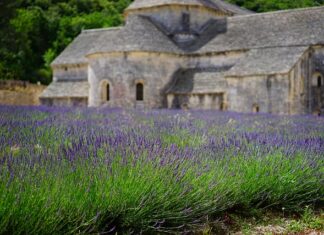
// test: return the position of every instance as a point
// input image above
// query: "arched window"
(105, 91)
(319, 81)
(139, 92)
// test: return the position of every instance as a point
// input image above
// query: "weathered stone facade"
(197, 54)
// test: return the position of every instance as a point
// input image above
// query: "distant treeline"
(34, 32)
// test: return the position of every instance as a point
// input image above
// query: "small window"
(256, 108)
(139, 92)
(107, 92)
(319, 81)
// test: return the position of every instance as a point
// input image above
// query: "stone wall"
(19, 93)
(212, 101)
(300, 86)
(305, 94)
(267, 92)
(70, 73)
(122, 71)
(316, 98)
(65, 101)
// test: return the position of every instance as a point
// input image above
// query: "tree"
(274, 5)
(34, 32)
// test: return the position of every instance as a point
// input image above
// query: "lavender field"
(68, 171)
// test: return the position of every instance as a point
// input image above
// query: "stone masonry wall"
(316, 99)
(70, 73)
(268, 92)
(20, 93)
(65, 101)
(124, 70)
(156, 71)
(299, 86)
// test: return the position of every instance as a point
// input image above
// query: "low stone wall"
(65, 101)
(19, 93)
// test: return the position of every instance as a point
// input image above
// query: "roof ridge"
(304, 9)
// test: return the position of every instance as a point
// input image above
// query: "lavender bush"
(67, 171)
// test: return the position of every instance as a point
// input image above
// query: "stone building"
(197, 54)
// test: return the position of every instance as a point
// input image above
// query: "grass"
(87, 171)
(274, 222)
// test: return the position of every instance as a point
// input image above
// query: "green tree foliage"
(34, 32)
(274, 5)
